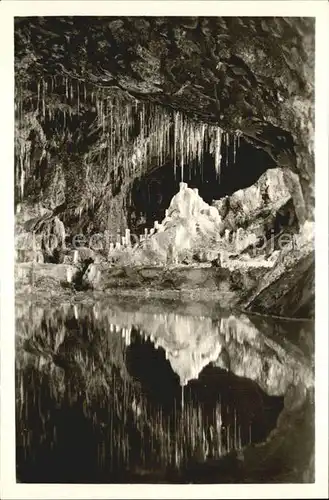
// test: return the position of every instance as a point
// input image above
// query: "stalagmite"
(128, 237)
(76, 311)
(75, 256)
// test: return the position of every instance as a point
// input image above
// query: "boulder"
(288, 288)
(29, 273)
(267, 195)
(263, 210)
(40, 235)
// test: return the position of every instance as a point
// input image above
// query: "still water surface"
(132, 393)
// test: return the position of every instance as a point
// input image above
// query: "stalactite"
(128, 121)
(97, 109)
(163, 136)
(182, 150)
(28, 162)
(239, 438)
(111, 130)
(226, 148)
(142, 122)
(22, 180)
(78, 96)
(176, 118)
(43, 99)
(38, 90)
(20, 106)
(218, 142)
(101, 114)
(235, 431)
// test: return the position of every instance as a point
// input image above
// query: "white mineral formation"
(189, 222)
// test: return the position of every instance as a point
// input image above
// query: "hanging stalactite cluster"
(133, 137)
(163, 137)
(25, 121)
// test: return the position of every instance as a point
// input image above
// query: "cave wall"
(249, 77)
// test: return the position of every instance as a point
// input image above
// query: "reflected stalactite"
(76, 360)
(43, 99)
(78, 96)
(38, 95)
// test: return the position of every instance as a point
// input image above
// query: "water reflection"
(114, 394)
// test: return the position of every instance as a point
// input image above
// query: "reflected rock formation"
(142, 392)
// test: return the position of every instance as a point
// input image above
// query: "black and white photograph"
(164, 249)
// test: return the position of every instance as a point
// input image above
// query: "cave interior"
(240, 168)
(68, 110)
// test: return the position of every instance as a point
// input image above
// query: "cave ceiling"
(254, 76)
(236, 72)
